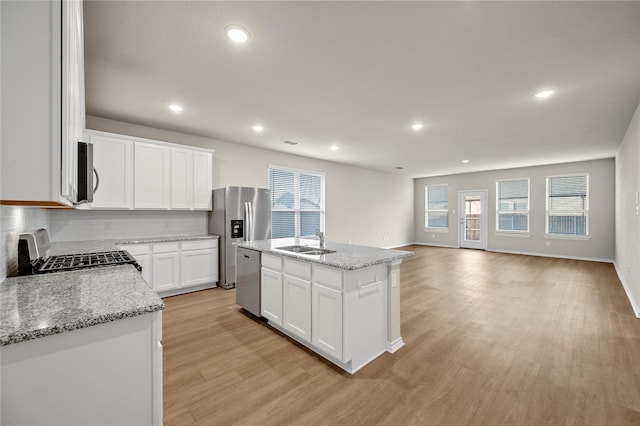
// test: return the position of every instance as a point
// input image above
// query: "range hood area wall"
(362, 206)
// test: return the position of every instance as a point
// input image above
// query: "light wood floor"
(490, 339)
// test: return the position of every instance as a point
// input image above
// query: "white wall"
(627, 247)
(13, 221)
(362, 206)
(600, 246)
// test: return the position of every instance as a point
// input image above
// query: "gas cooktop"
(69, 262)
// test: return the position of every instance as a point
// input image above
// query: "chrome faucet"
(320, 235)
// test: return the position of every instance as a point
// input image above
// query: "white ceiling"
(358, 74)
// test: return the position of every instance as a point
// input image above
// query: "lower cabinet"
(177, 267)
(165, 267)
(326, 329)
(107, 374)
(296, 312)
(271, 295)
(340, 314)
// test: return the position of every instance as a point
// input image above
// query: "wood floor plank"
(490, 339)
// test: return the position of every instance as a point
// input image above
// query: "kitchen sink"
(306, 250)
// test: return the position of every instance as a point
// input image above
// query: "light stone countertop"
(346, 256)
(73, 247)
(41, 305)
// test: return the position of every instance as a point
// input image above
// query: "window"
(568, 205)
(437, 206)
(297, 202)
(512, 205)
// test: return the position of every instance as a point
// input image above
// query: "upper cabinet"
(136, 173)
(113, 165)
(42, 101)
(152, 176)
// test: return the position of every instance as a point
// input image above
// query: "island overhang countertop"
(346, 256)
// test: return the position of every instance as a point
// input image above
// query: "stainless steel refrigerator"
(239, 214)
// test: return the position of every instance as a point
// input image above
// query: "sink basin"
(306, 250)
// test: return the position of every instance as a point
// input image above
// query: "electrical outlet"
(107, 226)
(548, 243)
(433, 235)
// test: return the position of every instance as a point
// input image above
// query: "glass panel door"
(472, 206)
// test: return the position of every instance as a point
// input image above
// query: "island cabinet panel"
(326, 322)
(296, 307)
(365, 307)
(271, 295)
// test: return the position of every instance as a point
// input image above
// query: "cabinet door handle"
(362, 287)
(95, 172)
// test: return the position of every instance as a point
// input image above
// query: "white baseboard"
(435, 245)
(398, 245)
(395, 345)
(555, 256)
(627, 289)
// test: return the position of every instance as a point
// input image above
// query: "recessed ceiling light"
(237, 34)
(544, 94)
(465, 161)
(175, 108)
(258, 128)
(417, 126)
(334, 147)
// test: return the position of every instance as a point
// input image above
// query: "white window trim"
(505, 232)
(551, 236)
(296, 206)
(426, 210)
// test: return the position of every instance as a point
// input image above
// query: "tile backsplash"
(82, 225)
(13, 221)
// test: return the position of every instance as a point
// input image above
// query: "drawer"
(136, 249)
(272, 262)
(297, 269)
(330, 277)
(199, 244)
(165, 247)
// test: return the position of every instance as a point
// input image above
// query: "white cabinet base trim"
(395, 345)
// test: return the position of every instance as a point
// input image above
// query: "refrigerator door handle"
(250, 233)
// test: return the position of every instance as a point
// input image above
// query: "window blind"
(568, 204)
(437, 206)
(512, 205)
(297, 202)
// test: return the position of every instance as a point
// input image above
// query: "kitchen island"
(341, 301)
(81, 348)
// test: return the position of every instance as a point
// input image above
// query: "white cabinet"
(198, 262)
(340, 314)
(73, 115)
(326, 322)
(42, 100)
(177, 267)
(202, 183)
(271, 295)
(296, 304)
(106, 374)
(113, 162)
(137, 173)
(152, 170)
(166, 266)
(271, 288)
(181, 178)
